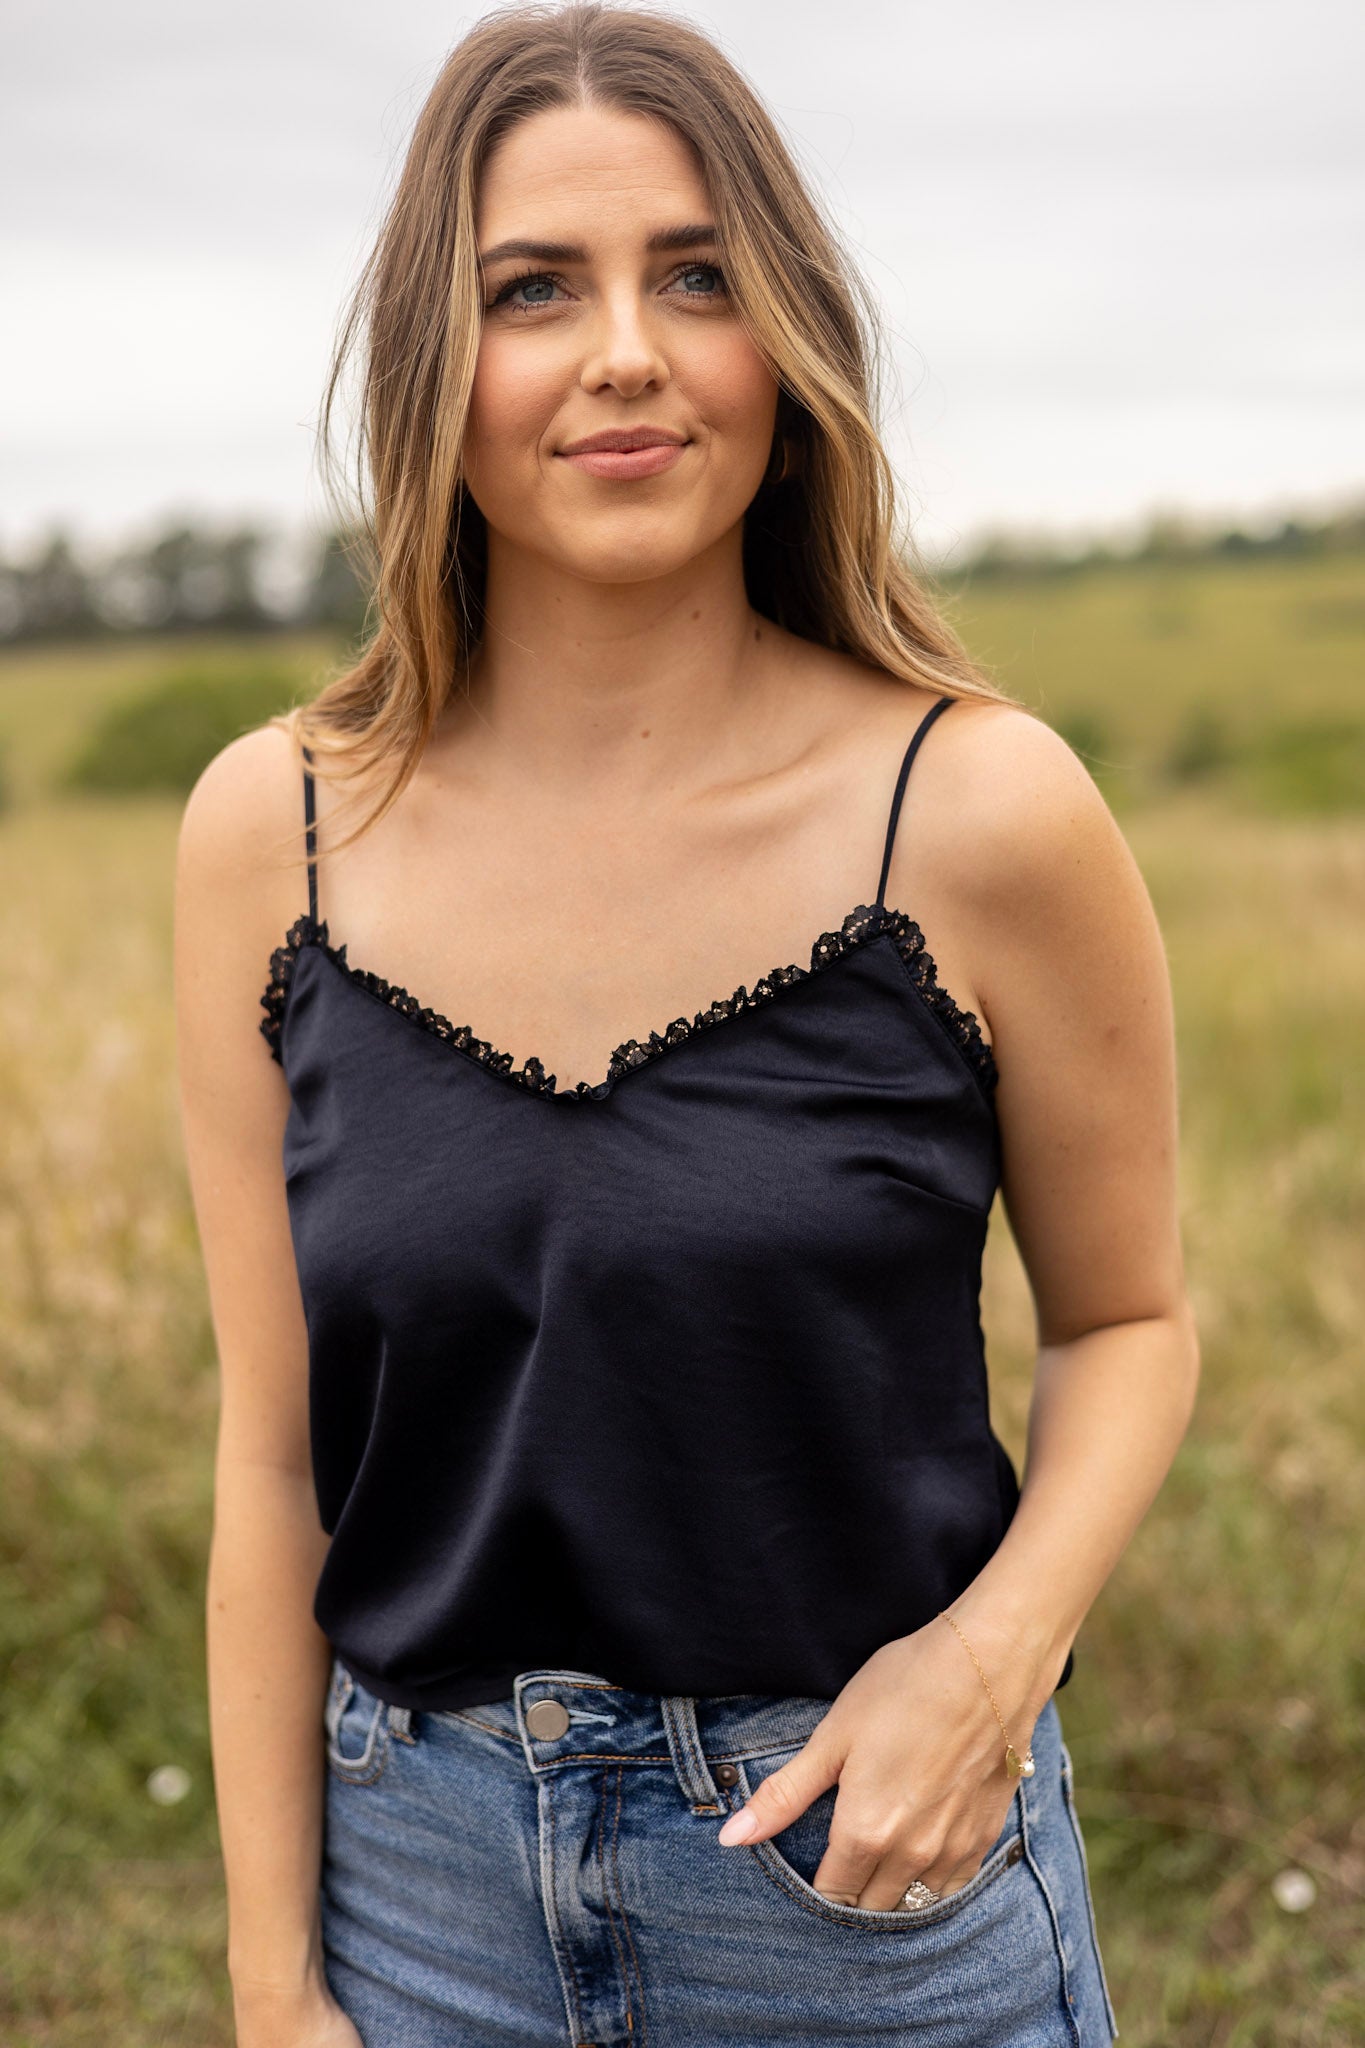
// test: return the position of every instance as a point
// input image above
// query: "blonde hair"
(822, 555)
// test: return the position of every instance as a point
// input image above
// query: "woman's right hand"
(311, 2019)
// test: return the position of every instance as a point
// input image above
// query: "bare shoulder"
(1015, 786)
(240, 882)
(1070, 971)
(1008, 813)
(1039, 916)
(240, 844)
(993, 786)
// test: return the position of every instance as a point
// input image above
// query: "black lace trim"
(863, 923)
(963, 1025)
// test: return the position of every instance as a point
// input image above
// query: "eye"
(713, 271)
(534, 281)
(702, 281)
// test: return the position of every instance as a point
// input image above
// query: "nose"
(623, 352)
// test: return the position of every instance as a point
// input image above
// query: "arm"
(267, 1659)
(1078, 1001)
(1074, 992)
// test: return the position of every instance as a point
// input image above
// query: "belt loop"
(400, 1723)
(684, 1743)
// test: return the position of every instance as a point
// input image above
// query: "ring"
(918, 1894)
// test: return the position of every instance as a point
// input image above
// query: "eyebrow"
(688, 236)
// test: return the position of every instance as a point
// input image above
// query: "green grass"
(53, 698)
(1219, 1693)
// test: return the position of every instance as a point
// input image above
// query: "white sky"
(1119, 246)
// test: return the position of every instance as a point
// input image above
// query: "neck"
(575, 675)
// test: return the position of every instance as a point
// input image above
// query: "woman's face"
(587, 329)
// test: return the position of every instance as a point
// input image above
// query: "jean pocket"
(356, 1730)
(792, 1857)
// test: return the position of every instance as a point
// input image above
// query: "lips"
(624, 441)
(623, 454)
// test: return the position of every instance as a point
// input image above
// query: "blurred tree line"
(1167, 538)
(250, 578)
(185, 578)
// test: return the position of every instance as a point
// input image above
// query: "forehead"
(577, 165)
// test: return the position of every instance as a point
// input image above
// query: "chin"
(630, 557)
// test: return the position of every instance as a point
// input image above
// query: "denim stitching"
(1074, 1817)
(401, 1724)
(625, 1918)
(601, 1832)
(348, 1774)
(602, 1756)
(606, 1893)
(692, 1742)
(375, 1755)
(866, 1916)
(561, 1946)
(887, 1920)
(588, 1684)
(465, 1714)
(1064, 1986)
(718, 1756)
(690, 1737)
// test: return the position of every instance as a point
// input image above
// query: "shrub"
(1202, 746)
(165, 738)
(1306, 767)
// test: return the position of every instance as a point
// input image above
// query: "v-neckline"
(862, 924)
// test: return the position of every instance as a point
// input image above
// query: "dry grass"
(1220, 1687)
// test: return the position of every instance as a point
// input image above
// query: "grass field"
(1216, 1712)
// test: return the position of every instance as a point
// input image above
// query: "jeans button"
(1016, 1850)
(547, 1719)
(725, 1774)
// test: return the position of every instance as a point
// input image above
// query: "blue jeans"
(498, 1877)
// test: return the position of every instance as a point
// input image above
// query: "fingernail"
(739, 1827)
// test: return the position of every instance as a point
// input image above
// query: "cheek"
(515, 397)
(733, 391)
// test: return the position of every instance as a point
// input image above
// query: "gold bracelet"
(1016, 1766)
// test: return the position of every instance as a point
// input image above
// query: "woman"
(623, 1622)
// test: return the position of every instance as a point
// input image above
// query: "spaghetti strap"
(310, 836)
(930, 715)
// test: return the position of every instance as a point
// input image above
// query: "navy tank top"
(678, 1378)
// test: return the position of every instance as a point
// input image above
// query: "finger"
(964, 1874)
(783, 1795)
(945, 1876)
(883, 1889)
(848, 1868)
(957, 1864)
(864, 1864)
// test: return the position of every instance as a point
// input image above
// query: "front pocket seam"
(888, 1919)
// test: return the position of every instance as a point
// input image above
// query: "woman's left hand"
(919, 1759)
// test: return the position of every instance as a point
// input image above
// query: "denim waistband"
(559, 1718)
(600, 1721)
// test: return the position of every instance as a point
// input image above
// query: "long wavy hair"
(823, 552)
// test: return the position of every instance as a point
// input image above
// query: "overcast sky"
(1119, 247)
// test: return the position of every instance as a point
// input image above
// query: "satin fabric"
(682, 1381)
